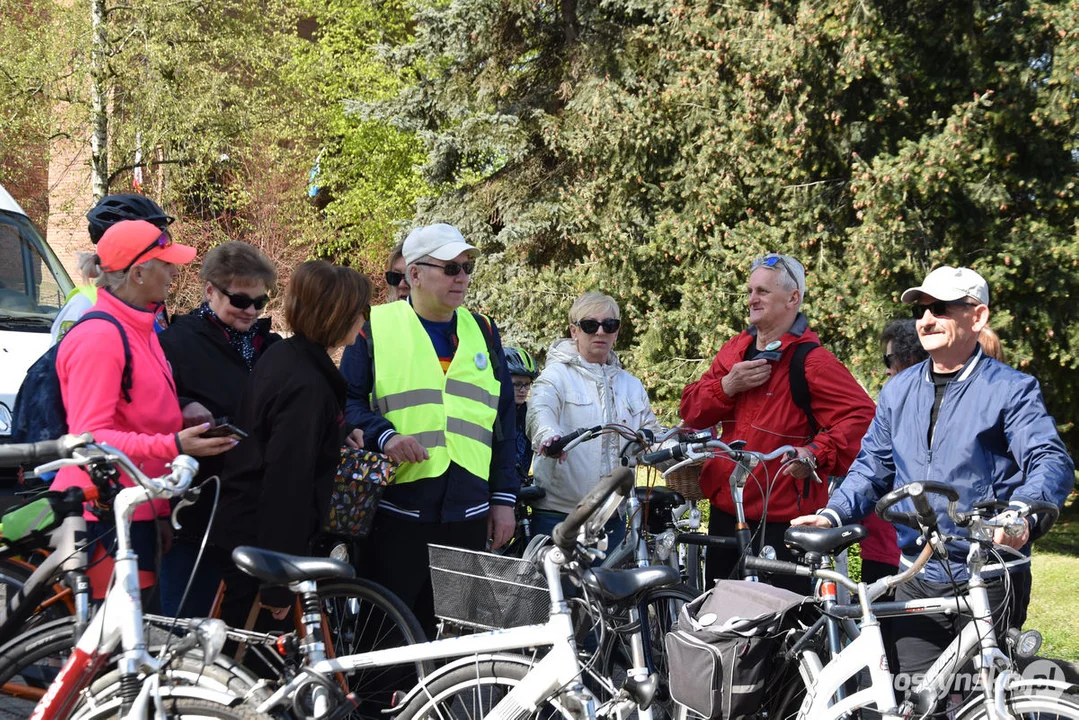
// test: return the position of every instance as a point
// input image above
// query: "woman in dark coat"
(212, 351)
(277, 486)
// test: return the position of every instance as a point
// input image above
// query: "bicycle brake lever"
(190, 498)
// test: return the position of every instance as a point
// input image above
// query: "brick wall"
(70, 197)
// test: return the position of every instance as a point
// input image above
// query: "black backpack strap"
(799, 384)
(487, 328)
(125, 378)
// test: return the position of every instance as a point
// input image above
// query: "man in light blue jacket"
(963, 419)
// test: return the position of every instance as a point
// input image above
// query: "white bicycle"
(1001, 691)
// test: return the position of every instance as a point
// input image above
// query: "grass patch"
(1054, 601)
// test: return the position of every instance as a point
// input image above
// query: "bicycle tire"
(1031, 704)
(185, 708)
(469, 692)
(30, 662)
(362, 616)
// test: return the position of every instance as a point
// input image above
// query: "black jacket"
(207, 369)
(277, 482)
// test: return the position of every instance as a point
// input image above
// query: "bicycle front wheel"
(469, 693)
(1031, 704)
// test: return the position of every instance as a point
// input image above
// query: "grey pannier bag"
(720, 650)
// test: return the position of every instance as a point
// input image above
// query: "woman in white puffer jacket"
(583, 385)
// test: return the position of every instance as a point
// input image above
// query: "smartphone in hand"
(225, 430)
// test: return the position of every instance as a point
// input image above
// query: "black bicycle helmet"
(114, 208)
(520, 362)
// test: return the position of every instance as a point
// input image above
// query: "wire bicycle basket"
(487, 591)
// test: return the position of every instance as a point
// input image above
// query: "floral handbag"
(362, 477)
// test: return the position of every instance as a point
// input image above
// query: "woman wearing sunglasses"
(212, 350)
(397, 287)
(132, 405)
(582, 385)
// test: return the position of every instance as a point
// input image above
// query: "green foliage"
(653, 149)
(368, 170)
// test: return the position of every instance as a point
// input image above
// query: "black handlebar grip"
(779, 567)
(17, 454)
(621, 481)
(659, 456)
(555, 449)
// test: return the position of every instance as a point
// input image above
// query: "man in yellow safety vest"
(429, 386)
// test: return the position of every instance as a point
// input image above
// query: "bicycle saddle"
(615, 585)
(826, 541)
(530, 494)
(281, 569)
(659, 497)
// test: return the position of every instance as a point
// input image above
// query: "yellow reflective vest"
(452, 413)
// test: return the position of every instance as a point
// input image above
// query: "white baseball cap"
(440, 241)
(950, 283)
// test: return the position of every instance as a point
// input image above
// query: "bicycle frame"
(559, 668)
(119, 621)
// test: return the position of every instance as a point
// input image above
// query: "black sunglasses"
(162, 241)
(452, 268)
(393, 279)
(888, 358)
(939, 308)
(590, 327)
(241, 301)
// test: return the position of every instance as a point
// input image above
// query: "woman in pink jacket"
(134, 265)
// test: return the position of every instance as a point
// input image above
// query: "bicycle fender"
(196, 693)
(461, 662)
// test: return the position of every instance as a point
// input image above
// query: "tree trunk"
(99, 140)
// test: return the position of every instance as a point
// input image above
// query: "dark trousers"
(721, 563)
(178, 571)
(873, 570)
(395, 556)
(920, 639)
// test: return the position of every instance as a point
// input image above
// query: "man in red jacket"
(748, 390)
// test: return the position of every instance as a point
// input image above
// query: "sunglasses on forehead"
(771, 261)
(591, 327)
(393, 279)
(240, 301)
(939, 308)
(452, 268)
(163, 241)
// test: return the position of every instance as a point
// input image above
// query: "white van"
(33, 286)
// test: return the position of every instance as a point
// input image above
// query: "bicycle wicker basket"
(686, 482)
(488, 591)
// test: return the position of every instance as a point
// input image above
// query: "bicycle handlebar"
(17, 454)
(781, 567)
(184, 468)
(619, 482)
(698, 450)
(555, 449)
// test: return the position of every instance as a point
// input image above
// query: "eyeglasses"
(241, 301)
(452, 268)
(393, 279)
(162, 241)
(590, 327)
(939, 308)
(522, 385)
(888, 359)
(770, 261)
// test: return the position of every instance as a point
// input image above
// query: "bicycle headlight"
(211, 637)
(664, 545)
